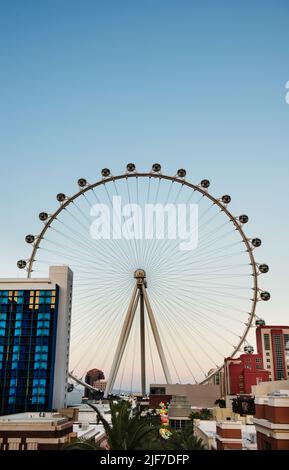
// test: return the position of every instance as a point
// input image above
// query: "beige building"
(35, 431)
(272, 420)
(179, 411)
(100, 384)
(199, 396)
(226, 435)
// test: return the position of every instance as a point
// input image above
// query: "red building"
(273, 345)
(272, 421)
(243, 372)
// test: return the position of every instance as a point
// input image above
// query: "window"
(178, 423)
(44, 316)
(41, 348)
(277, 342)
(266, 445)
(42, 332)
(40, 365)
(158, 391)
(41, 357)
(37, 382)
(267, 341)
(36, 400)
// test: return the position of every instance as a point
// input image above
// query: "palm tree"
(126, 431)
(82, 444)
(185, 440)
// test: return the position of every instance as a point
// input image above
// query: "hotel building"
(35, 317)
(273, 345)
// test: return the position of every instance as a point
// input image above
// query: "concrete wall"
(63, 277)
(200, 396)
(266, 388)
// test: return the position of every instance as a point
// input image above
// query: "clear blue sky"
(195, 84)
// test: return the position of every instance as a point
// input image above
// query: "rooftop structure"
(34, 431)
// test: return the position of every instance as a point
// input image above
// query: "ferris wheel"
(165, 298)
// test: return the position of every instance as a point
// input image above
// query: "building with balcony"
(272, 420)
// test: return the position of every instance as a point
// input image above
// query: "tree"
(221, 402)
(204, 414)
(185, 440)
(82, 444)
(126, 431)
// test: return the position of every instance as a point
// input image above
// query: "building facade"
(35, 431)
(273, 345)
(241, 373)
(35, 317)
(179, 411)
(272, 421)
(199, 396)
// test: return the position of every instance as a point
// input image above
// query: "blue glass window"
(44, 316)
(38, 391)
(17, 332)
(2, 332)
(37, 382)
(3, 316)
(43, 324)
(41, 357)
(18, 324)
(41, 348)
(40, 365)
(11, 400)
(2, 324)
(18, 316)
(42, 332)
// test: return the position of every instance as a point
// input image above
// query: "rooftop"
(33, 418)
(248, 432)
